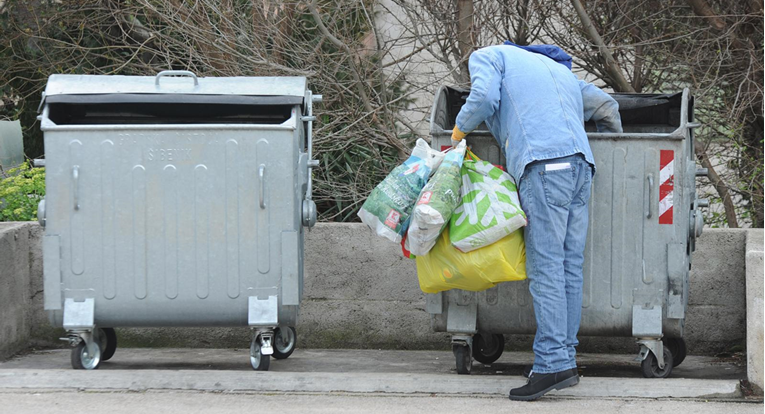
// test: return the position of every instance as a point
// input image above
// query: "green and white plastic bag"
(436, 203)
(490, 207)
(389, 205)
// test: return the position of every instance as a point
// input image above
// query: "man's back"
(534, 106)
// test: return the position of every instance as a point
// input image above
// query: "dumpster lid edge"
(59, 84)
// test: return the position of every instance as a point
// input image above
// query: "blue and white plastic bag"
(388, 208)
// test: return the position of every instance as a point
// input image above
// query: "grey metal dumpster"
(176, 201)
(644, 220)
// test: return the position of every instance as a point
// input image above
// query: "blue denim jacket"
(534, 107)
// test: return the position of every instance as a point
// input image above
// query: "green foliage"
(21, 189)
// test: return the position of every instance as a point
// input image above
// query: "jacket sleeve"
(483, 101)
(601, 108)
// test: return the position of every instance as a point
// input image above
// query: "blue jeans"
(554, 195)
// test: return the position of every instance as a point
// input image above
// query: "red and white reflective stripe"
(666, 185)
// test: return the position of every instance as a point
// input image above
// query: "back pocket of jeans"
(559, 185)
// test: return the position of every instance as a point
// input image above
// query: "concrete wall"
(361, 293)
(716, 320)
(754, 308)
(20, 286)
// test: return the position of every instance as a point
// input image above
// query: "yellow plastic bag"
(445, 267)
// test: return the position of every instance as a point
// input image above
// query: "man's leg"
(545, 196)
(576, 238)
(547, 190)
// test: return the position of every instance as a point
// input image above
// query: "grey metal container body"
(186, 218)
(636, 269)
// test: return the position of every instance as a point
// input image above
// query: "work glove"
(457, 136)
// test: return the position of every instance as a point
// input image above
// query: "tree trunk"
(465, 34)
(703, 9)
(613, 70)
(719, 184)
(753, 153)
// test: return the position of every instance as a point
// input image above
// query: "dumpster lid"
(291, 89)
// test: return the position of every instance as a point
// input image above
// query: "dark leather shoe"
(540, 384)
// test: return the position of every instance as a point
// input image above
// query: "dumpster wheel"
(83, 358)
(678, 348)
(282, 349)
(107, 342)
(650, 365)
(489, 349)
(258, 361)
(463, 357)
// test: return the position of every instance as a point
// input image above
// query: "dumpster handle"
(76, 180)
(185, 73)
(309, 118)
(650, 196)
(261, 177)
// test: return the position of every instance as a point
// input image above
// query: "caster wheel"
(678, 348)
(107, 343)
(258, 361)
(464, 360)
(650, 365)
(83, 359)
(488, 349)
(283, 349)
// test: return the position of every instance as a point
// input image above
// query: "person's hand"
(457, 136)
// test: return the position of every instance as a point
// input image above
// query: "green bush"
(21, 189)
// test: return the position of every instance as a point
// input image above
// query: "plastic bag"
(389, 205)
(490, 208)
(437, 201)
(445, 267)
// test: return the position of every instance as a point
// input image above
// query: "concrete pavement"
(192, 381)
(367, 361)
(312, 382)
(357, 371)
(214, 403)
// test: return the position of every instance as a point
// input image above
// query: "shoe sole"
(568, 382)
